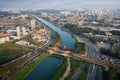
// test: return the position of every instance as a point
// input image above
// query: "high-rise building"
(33, 24)
(65, 13)
(23, 31)
(18, 31)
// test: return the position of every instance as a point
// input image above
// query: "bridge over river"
(83, 58)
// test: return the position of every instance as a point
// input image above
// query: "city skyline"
(59, 40)
(58, 4)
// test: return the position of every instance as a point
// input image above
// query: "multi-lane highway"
(79, 71)
(92, 52)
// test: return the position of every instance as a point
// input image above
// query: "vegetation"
(7, 55)
(13, 46)
(115, 32)
(9, 51)
(78, 30)
(22, 73)
(110, 52)
(80, 48)
(108, 40)
(5, 49)
(83, 75)
(111, 74)
(10, 68)
(94, 39)
(25, 70)
(60, 70)
(75, 64)
(29, 39)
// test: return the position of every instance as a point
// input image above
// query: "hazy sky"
(58, 4)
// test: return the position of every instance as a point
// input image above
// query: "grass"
(83, 75)
(25, 70)
(14, 46)
(59, 72)
(10, 51)
(8, 68)
(75, 64)
(8, 54)
(111, 74)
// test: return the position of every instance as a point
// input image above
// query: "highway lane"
(79, 71)
(93, 52)
(98, 57)
(82, 66)
(91, 72)
(100, 72)
(92, 67)
(90, 53)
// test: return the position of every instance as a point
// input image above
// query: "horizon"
(56, 4)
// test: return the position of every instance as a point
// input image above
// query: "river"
(45, 69)
(67, 39)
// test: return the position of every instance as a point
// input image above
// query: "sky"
(59, 4)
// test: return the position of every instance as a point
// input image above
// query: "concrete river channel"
(45, 69)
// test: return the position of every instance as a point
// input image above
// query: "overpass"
(83, 58)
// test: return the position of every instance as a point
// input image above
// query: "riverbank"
(43, 72)
(25, 70)
(60, 70)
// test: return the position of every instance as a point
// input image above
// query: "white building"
(23, 31)
(23, 16)
(4, 37)
(44, 14)
(18, 31)
(33, 24)
(65, 13)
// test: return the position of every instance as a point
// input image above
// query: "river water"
(45, 69)
(67, 39)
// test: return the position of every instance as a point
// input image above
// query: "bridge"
(83, 58)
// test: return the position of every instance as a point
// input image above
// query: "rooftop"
(4, 35)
